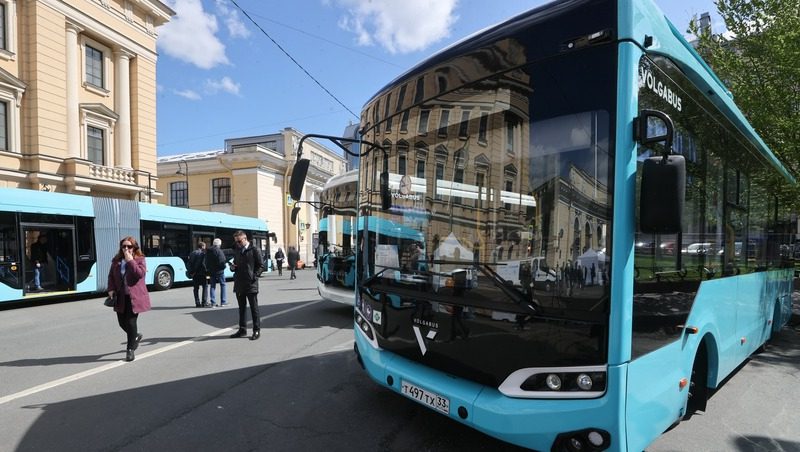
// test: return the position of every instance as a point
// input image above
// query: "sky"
(220, 75)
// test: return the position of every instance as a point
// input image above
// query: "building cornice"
(93, 26)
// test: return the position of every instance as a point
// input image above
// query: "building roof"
(190, 156)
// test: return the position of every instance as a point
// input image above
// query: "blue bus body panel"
(90, 283)
(529, 422)
(32, 201)
(168, 214)
(640, 18)
(177, 264)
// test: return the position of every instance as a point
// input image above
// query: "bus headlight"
(553, 382)
(584, 382)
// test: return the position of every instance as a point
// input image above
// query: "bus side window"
(85, 239)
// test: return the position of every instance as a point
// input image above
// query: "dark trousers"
(280, 267)
(197, 282)
(242, 299)
(127, 321)
(292, 275)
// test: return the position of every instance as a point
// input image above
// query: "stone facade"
(78, 93)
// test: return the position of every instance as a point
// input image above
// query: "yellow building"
(78, 95)
(250, 177)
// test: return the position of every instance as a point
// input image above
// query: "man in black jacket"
(215, 264)
(246, 266)
(292, 256)
(197, 271)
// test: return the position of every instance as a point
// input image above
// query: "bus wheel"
(164, 278)
(698, 386)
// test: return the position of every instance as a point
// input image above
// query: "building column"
(122, 105)
(73, 83)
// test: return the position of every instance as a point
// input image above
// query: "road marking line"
(109, 366)
(347, 345)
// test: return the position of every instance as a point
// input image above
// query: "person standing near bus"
(196, 266)
(292, 256)
(246, 266)
(126, 281)
(215, 264)
(279, 257)
(39, 259)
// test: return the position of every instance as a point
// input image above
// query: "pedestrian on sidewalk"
(293, 256)
(215, 265)
(126, 282)
(246, 266)
(279, 257)
(196, 267)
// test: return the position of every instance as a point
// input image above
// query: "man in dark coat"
(196, 266)
(292, 256)
(246, 266)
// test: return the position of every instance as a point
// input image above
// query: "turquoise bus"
(82, 236)
(590, 135)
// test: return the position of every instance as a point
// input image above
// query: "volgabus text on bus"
(649, 80)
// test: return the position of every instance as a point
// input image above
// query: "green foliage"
(759, 60)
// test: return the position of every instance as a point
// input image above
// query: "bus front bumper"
(533, 423)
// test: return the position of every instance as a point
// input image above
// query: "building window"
(420, 92)
(510, 189)
(484, 124)
(387, 112)
(463, 128)
(421, 169)
(444, 119)
(94, 67)
(401, 98)
(95, 145)
(221, 190)
(480, 182)
(439, 176)
(4, 125)
(442, 83)
(422, 127)
(401, 164)
(404, 122)
(178, 194)
(3, 34)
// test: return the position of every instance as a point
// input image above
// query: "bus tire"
(698, 384)
(164, 278)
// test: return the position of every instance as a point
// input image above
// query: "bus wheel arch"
(163, 278)
(704, 367)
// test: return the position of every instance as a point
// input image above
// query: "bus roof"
(34, 201)
(341, 179)
(169, 214)
(638, 19)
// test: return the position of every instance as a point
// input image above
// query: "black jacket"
(293, 256)
(215, 260)
(197, 265)
(247, 264)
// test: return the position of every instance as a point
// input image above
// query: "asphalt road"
(64, 385)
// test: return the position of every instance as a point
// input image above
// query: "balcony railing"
(124, 176)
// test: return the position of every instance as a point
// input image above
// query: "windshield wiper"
(508, 288)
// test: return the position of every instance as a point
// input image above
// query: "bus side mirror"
(662, 194)
(298, 178)
(653, 126)
(274, 237)
(295, 211)
(386, 196)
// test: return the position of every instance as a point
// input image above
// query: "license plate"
(425, 397)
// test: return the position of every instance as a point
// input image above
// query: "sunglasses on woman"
(127, 246)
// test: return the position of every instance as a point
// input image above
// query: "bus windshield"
(501, 201)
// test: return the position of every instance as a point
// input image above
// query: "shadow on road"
(764, 444)
(324, 402)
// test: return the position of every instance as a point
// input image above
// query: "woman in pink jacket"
(126, 280)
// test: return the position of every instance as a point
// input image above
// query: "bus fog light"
(584, 382)
(595, 438)
(575, 444)
(553, 382)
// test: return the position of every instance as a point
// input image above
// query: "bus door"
(261, 243)
(50, 252)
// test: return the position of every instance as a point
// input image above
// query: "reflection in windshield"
(511, 173)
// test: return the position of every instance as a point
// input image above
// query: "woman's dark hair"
(137, 252)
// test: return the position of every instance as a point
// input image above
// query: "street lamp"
(185, 172)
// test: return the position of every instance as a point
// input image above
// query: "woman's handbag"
(110, 301)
